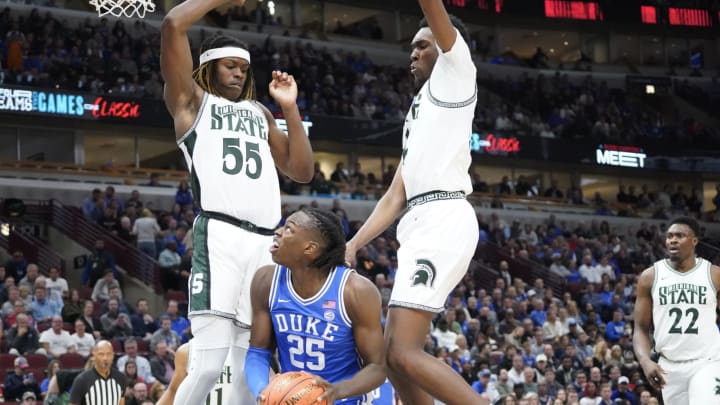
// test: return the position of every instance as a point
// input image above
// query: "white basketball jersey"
(437, 130)
(228, 155)
(684, 312)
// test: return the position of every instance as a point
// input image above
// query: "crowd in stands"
(509, 338)
(47, 324)
(103, 57)
(555, 107)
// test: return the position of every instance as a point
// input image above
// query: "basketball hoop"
(123, 8)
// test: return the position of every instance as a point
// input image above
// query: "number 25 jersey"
(315, 334)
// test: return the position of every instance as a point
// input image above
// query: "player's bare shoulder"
(646, 280)
(263, 277)
(360, 294)
(715, 275)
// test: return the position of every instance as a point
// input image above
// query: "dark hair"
(456, 22)
(690, 222)
(328, 226)
(204, 75)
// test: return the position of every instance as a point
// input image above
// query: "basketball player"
(677, 298)
(439, 232)
(232, 146)
(218, 395)
(323, 317)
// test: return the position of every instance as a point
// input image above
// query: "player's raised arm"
(439, 22)
(176, 61)
(291, 153)
(643, 323)
(364, 306)
(262, 338)
(391, 204)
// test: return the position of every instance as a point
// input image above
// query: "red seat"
(7, 362)
(143, 347)
(71, 360)
(179, 296)
(37, 361)
(3, 374)
(42, 327)
(97, 309)
(85, 292)
(117, 346)
(39, 373)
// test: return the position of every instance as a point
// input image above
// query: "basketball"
(294, 387)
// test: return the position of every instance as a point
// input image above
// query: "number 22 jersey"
(684, 312)
(315, 334)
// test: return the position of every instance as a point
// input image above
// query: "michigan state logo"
(424, 274)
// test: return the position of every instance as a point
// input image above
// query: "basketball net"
(123, 8)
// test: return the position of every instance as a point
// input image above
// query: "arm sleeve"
(257, 367)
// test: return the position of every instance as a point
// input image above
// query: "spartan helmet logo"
(424, 274)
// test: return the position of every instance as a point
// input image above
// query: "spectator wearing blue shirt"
(574, 277)
(539, 314)
(43, 309)
(16, 267)
(89, 203)
(623, 392)
(178, 323)
(183, 196)
(178, 237)
(483, 381)
(97, 263)
(616, 327)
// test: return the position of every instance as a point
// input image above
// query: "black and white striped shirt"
(90, 388)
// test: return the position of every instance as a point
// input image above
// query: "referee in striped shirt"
(102, 384)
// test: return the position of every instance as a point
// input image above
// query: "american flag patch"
(329, 304)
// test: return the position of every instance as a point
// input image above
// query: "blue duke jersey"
(315, 334)
(235, 172)
(684, 306)
(438, 126)
(384, 394)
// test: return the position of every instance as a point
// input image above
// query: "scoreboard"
(591, 10)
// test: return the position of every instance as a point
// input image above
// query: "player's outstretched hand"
(283, 88)
(330, 395)
(654, 374)
(350, 259)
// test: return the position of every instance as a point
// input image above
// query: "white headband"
(225, 52)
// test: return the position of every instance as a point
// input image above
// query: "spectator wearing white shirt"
(444, 336)
(101, 291)
(32, 274)
(604, 267)
(84, 342)
(515, 374)
(57, 341)
(557, 266)
(588, 272)
(528, 235)
(552, 328)
(169, 257)
(55, 282)
(144, 370)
